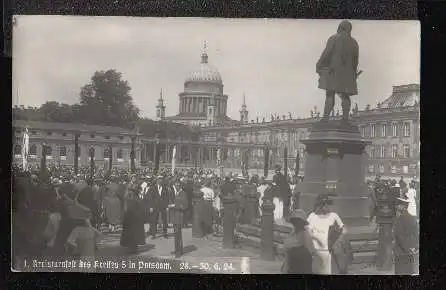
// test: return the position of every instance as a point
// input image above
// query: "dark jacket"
(181, 205)
(282, 187)
(158, 201)
(338, 64)
(227, 188)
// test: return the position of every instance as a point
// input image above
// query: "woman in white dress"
(411, 195)
(320, 222)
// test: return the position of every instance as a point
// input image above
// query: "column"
(205, 105)
(217, 110)
(229, 222)
(189, 104)
(267, 224)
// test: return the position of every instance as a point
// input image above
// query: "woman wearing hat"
(321, 221)
(299, 248)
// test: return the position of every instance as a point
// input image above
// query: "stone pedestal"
(251, 210)
(197, 203)
(335, 163)
(229, 207)
(385, 250)
(268, 250)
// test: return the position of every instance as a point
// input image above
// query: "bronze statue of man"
(338, 69)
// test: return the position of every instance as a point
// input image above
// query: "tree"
(57, 112)
(106, 100)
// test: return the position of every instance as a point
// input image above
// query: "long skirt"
(133, 229)
(322, 263)
(112, 207)
(278, 210)
(206, 216)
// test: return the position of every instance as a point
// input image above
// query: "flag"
(174, 153)
(218, 156)
(25, 149)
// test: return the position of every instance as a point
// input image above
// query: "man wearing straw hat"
(406, 240)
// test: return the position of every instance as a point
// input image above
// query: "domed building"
(203, 102)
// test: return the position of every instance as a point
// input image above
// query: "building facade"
(393, 127)
(59, 139)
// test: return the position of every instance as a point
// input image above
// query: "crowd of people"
(59, 213)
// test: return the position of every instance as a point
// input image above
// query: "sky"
(271, 61)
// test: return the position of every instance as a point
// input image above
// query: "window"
(395, 151)
(119, 154)
(383, 151)
(17, 149)
(63, 153)
(64, 134)
(107, 137)
(49, 150)
(405, 169)
(383, 130)
(406, 150)
(91, 135)
(121, 138)
(107, 153)
(394, 130)
(381, 168)
(393, 168)
(49, 133)
(33, 150)
(406, 129)
(372, 131)
(371, 168)
(33, 133)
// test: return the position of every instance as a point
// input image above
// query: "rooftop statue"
(338, 70)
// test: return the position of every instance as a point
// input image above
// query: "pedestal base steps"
(363, 240)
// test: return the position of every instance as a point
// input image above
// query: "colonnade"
(198, 105)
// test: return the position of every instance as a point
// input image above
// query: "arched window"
(17, 149)
(33, 150)
(91, 152)
(119, 154)
(63, 151)
(107, 153)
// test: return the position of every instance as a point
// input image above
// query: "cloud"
(271, 61)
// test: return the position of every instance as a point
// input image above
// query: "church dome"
(204, 73)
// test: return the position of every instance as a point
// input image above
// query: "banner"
(25, 149)
(174, 153)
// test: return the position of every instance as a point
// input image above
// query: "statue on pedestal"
(338, 70)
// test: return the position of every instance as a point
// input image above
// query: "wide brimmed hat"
(298, 214)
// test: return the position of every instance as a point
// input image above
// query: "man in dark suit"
(180, 206)
(228, 187)
(283, 190)
(160, 196)
(188, 185)
(406, 240)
